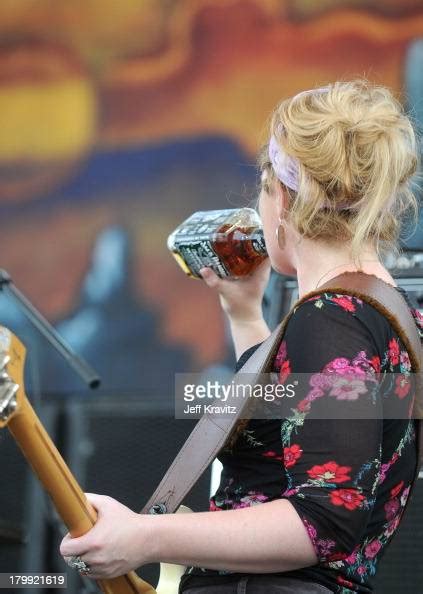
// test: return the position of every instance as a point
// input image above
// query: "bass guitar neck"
(19, 416)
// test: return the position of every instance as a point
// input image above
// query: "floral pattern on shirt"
(349, 480)
(354, 568)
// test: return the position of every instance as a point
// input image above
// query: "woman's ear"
(282, 200)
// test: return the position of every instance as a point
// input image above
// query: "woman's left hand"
(116, 544)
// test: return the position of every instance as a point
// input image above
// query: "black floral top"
(348, 479)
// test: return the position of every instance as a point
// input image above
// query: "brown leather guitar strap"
(208, 437)
(212, 431)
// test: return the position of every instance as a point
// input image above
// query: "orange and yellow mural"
(119, 119)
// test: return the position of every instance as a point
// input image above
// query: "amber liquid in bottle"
(236, 251)
(229, 241)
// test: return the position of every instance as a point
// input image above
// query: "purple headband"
(287, 168)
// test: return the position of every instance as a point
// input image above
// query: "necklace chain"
(340, 266)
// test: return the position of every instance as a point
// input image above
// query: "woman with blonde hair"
(308, 505)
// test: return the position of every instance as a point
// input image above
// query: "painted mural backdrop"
(119, 119)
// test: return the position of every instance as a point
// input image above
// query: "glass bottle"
(229, 241)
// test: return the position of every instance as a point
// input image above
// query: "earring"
(280, 236)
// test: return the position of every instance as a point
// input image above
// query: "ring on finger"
(77, 563)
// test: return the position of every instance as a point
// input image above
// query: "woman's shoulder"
(341, 301)
(333, 308)
(329, 326)
(368, 313)
(331, 321)
(339, 317)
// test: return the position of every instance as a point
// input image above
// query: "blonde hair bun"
(357, 152)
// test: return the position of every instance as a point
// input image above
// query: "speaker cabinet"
(122, 449)
(13, 506)
(25, 512)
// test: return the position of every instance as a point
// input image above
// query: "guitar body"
(69, 499)
(170, 574)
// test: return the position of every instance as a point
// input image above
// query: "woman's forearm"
(265, 538)
(246, 334)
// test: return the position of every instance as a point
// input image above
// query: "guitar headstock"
(12, 360)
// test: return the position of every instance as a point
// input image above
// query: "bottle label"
(257, 242)
(199, 254)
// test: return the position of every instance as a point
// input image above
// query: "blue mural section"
(109, 325)
(218, 163)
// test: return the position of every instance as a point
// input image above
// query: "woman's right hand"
(240, 298)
